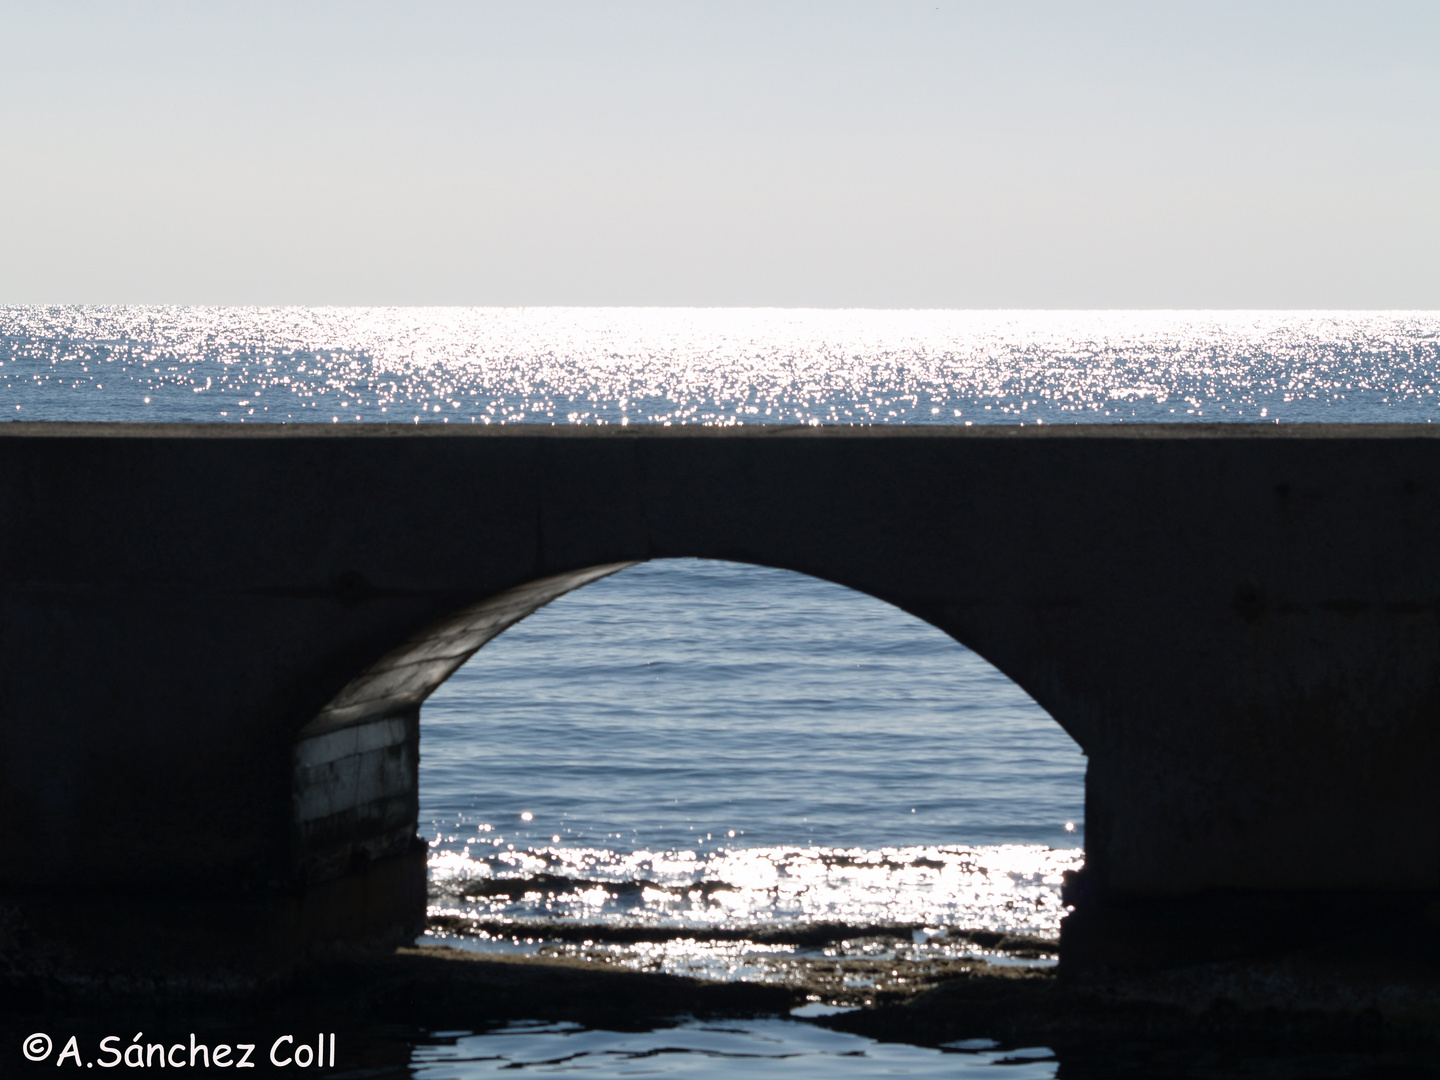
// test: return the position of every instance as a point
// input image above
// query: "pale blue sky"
(798, 154)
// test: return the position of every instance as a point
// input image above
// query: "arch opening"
(696, 744)
(688, 737)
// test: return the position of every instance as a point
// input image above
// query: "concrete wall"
(1237, 624)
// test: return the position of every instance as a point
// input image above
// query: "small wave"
(820, 935)
(556, 884)
(1005, 889)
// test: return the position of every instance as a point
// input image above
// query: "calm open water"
(690, 744)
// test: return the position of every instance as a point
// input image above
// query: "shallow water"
(757, 1048)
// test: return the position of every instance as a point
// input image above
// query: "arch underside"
(356, 764)
(356, 772)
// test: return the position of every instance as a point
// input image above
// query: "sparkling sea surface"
(688, 746)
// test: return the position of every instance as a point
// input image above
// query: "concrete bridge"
(214, 642)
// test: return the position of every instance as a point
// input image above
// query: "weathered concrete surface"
(1240, 626)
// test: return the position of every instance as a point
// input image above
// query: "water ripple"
(713, 366)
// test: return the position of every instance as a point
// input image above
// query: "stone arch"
(1237, 624)
(356, 784)
(355, 765)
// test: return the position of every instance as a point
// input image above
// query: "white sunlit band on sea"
(714, 366)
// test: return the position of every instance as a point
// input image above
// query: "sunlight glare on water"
(1004, 887)
(713, 365)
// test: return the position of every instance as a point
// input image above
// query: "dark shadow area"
(389, 1012)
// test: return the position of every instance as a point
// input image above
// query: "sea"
(715, 769)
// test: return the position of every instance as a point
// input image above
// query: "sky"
(886, 154)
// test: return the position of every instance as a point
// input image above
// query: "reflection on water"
(1007, 888)
(714, 365)
(851, 925)
(753, 1048)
